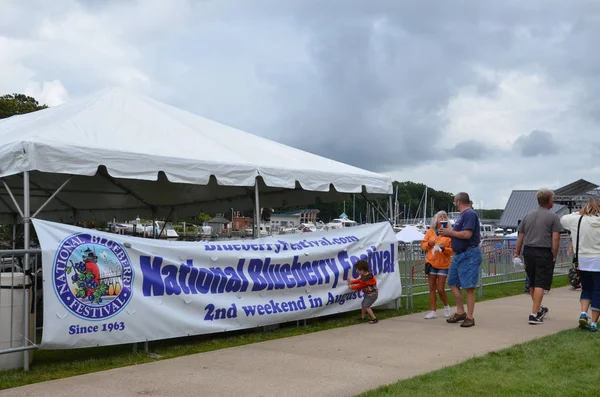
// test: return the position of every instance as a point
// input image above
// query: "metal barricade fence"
(20, 306)
(496, 267)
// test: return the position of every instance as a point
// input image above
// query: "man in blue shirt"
(464, 270)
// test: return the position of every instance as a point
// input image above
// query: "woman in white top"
(589, 258)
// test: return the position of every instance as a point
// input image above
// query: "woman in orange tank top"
(438, 258)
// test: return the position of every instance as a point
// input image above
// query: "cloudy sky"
(480, 96)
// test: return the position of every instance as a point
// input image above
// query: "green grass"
(564, 364)
(55, 364)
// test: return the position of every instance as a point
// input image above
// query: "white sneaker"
(446, 311)
(431, 315)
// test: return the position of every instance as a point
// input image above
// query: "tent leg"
(256, 210)
(26, 270)
(14, 234)
(153, 224)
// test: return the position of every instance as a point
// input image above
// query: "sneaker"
(535, 319)
(593, 327)
(543, 311)
(431, 315)
(446, 311)
(583, 321)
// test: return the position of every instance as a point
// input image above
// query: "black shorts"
(539, 267)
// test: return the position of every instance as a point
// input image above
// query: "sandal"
(360, 319)
(456, 318)
(374, 321)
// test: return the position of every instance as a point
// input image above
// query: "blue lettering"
(152, 281)
(170, 282)
(254, 269)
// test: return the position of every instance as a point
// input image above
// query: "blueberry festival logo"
(92, 276)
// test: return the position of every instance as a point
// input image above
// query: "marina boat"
(147, 229)
(339, 223)
(265, 230)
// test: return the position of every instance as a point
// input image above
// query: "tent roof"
(129, 155)
(409, 234)
(136, 137)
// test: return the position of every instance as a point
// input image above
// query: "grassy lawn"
(565, 364)
(55, 364)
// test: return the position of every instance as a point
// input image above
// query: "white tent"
(409, 234)
(118, 154)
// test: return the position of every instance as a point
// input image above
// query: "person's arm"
(555, 245)
(463, 234)
(557, 228)
(469, 224)
(570, 247)
(426, 244)
(446, 246)
(519, 245)
(358, 285)
(569, 221)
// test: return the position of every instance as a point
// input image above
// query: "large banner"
(105, 289)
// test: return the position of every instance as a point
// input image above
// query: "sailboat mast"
(425, 209)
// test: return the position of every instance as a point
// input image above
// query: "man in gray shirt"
(539, 236)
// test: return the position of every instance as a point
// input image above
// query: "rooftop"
(576, 188)
(520, 203)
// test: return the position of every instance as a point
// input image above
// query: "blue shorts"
(438, 272)
(464, 271)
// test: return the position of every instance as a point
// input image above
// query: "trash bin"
(11, 316)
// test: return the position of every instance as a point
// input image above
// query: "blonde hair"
(434, 220)
(592, 207)
(544, 196)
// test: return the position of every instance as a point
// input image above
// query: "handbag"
(574, 272)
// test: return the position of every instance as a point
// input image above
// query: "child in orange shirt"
(438, 258)
(368, 284)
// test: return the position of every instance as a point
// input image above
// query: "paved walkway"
(337, 362)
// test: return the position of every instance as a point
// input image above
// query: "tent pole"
(14, 235)
(165, 225)
(256, 209)
(153, 223)
(26, 226)
(15, 202)
(52, 197)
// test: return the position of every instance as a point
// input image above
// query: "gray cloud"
(366, 83)
(536, 143)
(470, 150)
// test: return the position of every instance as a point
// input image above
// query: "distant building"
(307, 215)
(576, 194)
(279, 221)
(219, 224)
(242, 222)
(294, 218)
(567, 198)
